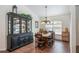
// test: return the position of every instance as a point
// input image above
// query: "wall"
(77, 24)
(3, 22)
(3, 28)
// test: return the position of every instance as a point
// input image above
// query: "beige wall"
(3, 22)
(3, 28)
(77, 24)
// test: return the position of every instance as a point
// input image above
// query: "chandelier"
(46, 20)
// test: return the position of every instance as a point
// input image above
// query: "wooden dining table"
(45, 37)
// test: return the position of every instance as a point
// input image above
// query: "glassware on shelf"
(23, 29)
(28, 26)
(16, 26)
(9, 27)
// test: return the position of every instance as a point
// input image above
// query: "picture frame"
(36, 24)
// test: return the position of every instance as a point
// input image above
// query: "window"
(49, 27)
(57, 27)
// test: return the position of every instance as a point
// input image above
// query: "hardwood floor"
(26, 49)
(58, 47)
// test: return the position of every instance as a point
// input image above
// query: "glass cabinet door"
(23, 26)
(16, 26)
(29, 26)
(9, 26)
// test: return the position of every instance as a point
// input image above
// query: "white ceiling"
(52, 10)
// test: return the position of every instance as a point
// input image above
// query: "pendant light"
(46, 15)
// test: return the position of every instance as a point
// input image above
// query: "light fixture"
(46, 20)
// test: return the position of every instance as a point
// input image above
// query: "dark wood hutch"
(19, 31)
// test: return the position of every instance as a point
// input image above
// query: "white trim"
(3, 49)
(73, 30)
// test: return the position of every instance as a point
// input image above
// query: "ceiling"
(52, 10)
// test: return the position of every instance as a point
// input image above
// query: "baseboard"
(3, 49)
(61, 40)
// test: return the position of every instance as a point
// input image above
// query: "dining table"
(45, 37)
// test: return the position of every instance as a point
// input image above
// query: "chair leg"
(41, 45)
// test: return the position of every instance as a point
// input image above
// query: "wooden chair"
(39, 42)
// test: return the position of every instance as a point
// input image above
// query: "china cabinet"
(19, 30)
